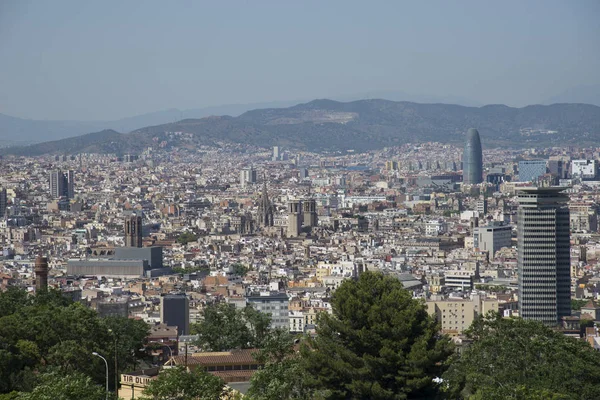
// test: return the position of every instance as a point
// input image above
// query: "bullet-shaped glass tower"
(472, 159)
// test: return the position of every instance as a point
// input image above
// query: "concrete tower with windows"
(41, 274)
(294, 218)
(544, 254)
(133, 231)
(309, 212)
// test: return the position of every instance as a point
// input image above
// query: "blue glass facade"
(531, 170)
(472, 159)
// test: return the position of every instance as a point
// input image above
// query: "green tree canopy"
(49, 331)
(379, 343)
(186, 237)
(240, 269)
(519, 359)
(224, 327)
(58, 386)
(178, 384)
(282, 375)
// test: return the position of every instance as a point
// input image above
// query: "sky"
(100, 60)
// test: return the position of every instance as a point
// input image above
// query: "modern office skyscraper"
(133, 231)
(175, 311)
(544, 254)
(531, 170)
(61, 184)
(247, 175)
(472, 159)
(276, 153)
(3, 202)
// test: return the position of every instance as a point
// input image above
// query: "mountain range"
(358, 125)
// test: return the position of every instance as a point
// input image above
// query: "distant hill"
(359, 125)
(579, 94)
(21, 131)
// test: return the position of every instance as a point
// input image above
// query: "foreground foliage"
(518, 359)
(379, 343)
(282, 375)
(49, 332)
(225, 327)
(178, 384)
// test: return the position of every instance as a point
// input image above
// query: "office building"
(586, 170)
(247, 176)
(544, 262)
(175, 311)
(133, 231)
(274, 303)
(61, 184)
(492, 237)
(3, 202)
(531, 170)
(481, 207)
(472, 159)
(276, 153)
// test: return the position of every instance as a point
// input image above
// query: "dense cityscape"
(310, 200)
(170, 237)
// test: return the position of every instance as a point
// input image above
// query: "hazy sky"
(111, 59)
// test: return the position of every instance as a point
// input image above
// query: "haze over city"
(80, 60)
(277, 200)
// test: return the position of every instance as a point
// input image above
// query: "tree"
(512, 358)
(186, 237)
(178, 384)
(380, 343)
(240, 269)
(225, 327)
(57, 386)
(282, 375)
(50, 331)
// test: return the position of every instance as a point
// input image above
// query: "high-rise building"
(531, 170)
(294, 218)
(3, 202)
(544, 259)
(492, 238)
(247, 175)
(472, 159)
(61, 184)
(133, 231)
(41, 274)
(175, 311)
(584, 169)
(276, 153)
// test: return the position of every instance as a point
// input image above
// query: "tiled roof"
(233, 357)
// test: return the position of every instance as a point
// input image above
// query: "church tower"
(265, 208)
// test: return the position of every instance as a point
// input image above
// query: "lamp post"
(116, 369)
(106, 364)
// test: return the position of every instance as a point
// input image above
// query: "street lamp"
(106, 364)
(116, 369)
